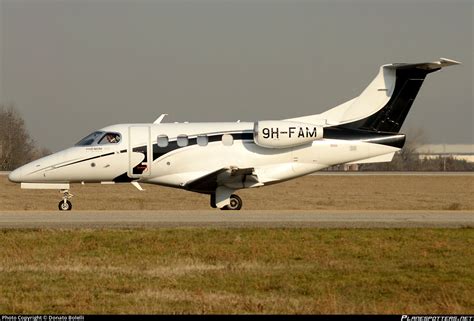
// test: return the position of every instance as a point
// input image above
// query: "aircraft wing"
(231, 177)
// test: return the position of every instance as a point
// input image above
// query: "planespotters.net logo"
(437, 318)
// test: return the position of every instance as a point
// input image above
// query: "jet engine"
(284, 134)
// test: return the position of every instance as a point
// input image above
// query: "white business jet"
(220, 158)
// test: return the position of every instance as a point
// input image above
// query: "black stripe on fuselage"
(173, 145)
(388, 139)
(84, 160)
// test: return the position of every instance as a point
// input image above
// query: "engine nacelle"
(284, 134)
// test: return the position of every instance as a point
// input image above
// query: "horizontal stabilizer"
(377, 159)
(442, 62)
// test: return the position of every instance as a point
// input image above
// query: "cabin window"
(162, 140)
(227, 140)
(110, 138)
(202, 140)
(182, 140)
(89, 139)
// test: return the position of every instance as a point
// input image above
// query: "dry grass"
(244, 270)
(237, 271)
(310, 192)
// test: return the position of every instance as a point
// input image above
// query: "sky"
(74, 66)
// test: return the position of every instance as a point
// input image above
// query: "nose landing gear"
(65, 204)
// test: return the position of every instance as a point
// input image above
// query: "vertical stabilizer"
(385, 103)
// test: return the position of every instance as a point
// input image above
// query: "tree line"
(16, 145)
(413, 163)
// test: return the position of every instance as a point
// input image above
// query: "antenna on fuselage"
(159, 119)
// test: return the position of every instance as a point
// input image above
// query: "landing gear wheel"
(235, 203)
(65, 205)
(213, 200)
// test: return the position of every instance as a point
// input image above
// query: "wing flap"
(232, 177)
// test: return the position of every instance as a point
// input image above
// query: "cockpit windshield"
(89, 139)
(110, 138)
(99, 138)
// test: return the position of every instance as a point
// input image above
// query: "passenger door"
(140, 156)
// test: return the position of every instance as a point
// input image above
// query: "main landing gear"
(235, 202)
(65, 204)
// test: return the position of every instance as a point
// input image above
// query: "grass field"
(237, 271)
(306, 193)
(199, 270)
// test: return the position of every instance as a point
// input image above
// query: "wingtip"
(448, 62)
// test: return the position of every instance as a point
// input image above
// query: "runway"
(238, 219)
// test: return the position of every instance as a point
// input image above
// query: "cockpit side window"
(90, 139)
(110, 138)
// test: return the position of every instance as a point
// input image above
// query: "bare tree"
(415, 139)
(16, 145)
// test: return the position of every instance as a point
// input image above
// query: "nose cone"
(16, 176)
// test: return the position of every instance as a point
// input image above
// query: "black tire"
(213, 200)
(235, 203)
(65, 206)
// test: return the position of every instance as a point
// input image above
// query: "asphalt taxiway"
(236, 219)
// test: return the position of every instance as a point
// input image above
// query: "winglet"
(448, 62)
(159, 119)
(434, 65)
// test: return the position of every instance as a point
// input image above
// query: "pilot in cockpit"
(111, 138)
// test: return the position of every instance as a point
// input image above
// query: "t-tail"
(383, 106)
